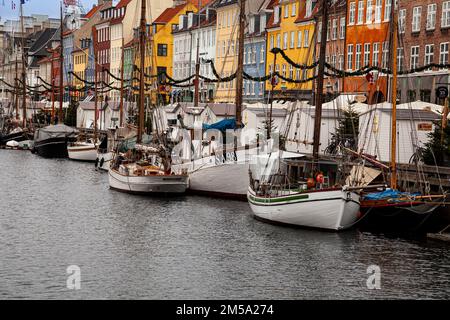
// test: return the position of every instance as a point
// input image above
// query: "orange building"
(368, 43)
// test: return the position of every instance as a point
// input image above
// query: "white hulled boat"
(279, 198)
(82, 151)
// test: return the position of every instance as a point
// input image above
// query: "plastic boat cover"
(389, 194)
(56, 131)
(226, 124)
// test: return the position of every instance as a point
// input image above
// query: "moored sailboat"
(146, 169)
(304, 191)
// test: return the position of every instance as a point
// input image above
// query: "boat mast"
(319, 93)
(142, 67)
(240, 73)
(61, 73)
(197, 61)
(16, 90)
(53, 85)
(24, 82)
(121, 84)
(394, 101)
(95, 86)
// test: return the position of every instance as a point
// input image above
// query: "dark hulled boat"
(51, 141)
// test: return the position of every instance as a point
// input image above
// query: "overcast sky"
(49, 7)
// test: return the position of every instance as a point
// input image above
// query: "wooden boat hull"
(325, 209)
(219, 176)
(18, 136)
(52, 148)
(402, 217)
(82, 152)
(152, 184)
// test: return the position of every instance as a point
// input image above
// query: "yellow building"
(291, 28)
(79, 68)
(227, 48)
(162, 42)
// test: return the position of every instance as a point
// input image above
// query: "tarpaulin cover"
(223, 125)
(56, 131)
(389, 194)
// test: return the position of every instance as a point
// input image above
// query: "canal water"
(57, 213)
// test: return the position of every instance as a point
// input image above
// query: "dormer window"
(276, 12)
(308, 8)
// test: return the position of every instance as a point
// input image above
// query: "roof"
(417, 115)
(91, 12)
(302, 12)
(224, 3)
(39, 46)
(122, 3)
(170, 13)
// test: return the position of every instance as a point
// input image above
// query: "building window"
(429, 53)
(414, 57)
(291, 72)
(283, 72)
(341, 62)
(351, 15)
(425, 95)
(328, 30)
(271, 41)
(369, 12)
(350, 57)
(335, 30)
(306, 43)
(378, 5)
(276, 12)
(286, 11)
(360, 12)
(431, 16)
(333, 60)
(366, 54)
(319, 32)
(401, 20)
(385, 56)
(262, 57)
(342, 28)
(308, 8)
(285, 40)
(443, 58)
(279, 41)
(358, 57)
(417, 11)
(387, 10)
(299, 39)
(445, 14)
(292, 46)
(162, 50)
(294, 9)
(376, 54)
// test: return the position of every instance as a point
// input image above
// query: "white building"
(185, 53)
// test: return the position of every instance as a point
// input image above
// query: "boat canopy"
(265, 165)
(55, 131)
(130, 144)
(226, 124)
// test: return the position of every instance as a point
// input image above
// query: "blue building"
(68, 60)
(255, 51)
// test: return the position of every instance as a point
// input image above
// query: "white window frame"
(378, 7)
(387, 10)
(444, 59)
(292, 43)
(367, 53)
(299, 38)
(306, 39)
(415, 24)
(369, 12)
(414, 57)
(351, 14)
(445, 18)
(360, 18)
(358, 56)
(350, 57)
(402, 21)
(431, 16)
(376, 54)
(429, 54)
(342, 28)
